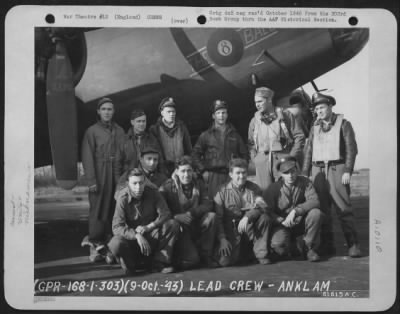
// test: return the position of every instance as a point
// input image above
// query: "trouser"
(161, 241)
(309, 226)
(195, 242)
(256, 236)
(100, 229)
(332, 193)
(266, 173)
(214, 181)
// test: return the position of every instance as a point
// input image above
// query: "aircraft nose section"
(349, 41)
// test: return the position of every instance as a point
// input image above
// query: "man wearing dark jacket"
(136, 140)
(148, 164)
(190, 206)
(142, 228)
(216, 147)
(172, 134)
(295, 211)
(331, 154)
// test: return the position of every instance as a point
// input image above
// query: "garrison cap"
(319, 98)
(219, 104)
(264, 92)
(137, 113)
(286, 163)
(103, 101)
(149, 149)
(167, 102)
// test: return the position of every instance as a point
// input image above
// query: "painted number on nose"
(225, 47)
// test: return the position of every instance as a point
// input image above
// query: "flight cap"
(167, 102)
(103, 101)
(286, 163)
(137, 113)
(319, 98)
(149, 149)
(219, 104)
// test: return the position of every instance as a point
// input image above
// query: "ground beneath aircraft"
(62, 266)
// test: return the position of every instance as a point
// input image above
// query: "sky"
(349, 84)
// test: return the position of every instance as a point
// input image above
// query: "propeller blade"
(62, 117)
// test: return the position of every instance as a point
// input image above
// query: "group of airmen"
(159, 204)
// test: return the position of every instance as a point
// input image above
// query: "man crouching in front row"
(242, 221)
(295, 212)
(191, 208)
(144, 234)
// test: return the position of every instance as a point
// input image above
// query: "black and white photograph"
(192, 160)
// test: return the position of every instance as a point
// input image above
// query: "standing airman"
(99, 148)
(272, 133)
(331, 154)
(216, 147)
(137, 138)
(172, 134)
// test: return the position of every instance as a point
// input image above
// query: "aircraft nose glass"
(349, 41)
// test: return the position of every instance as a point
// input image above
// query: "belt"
(321, 164)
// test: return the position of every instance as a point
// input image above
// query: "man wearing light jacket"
(273, 133)
(241, 217)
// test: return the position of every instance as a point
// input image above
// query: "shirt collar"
(228, 128)
(234, 187)
(169, 126)
(175, 178)
(108, 126)
(331, 121)
(146, 172)
(131, 198)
